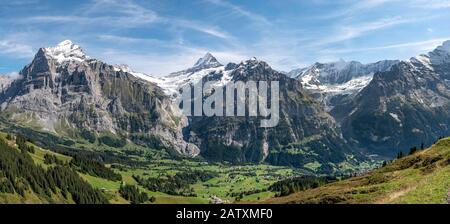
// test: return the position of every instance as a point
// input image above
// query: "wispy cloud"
(13, 75)
(355, 8)
(15, 49)
(128, 15)
(12, 4)
(241, 11)
(425, 45)
(128, 40)
(193, 25)
(432, 4)
(348, 32)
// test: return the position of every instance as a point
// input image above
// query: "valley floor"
(229, 184)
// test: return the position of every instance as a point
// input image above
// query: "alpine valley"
(90, 128)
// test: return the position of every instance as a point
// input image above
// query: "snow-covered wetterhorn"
(66, 51)
(66, 93)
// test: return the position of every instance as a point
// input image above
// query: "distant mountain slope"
(313, 137)
(329, 83)
(405, 106)
(306, 135)
(421, 178)
(338, 72)
(172, 83)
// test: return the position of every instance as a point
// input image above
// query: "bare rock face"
(400, 108)
(65, 92)
(305, 133)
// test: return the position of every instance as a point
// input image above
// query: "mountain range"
(332, 115)
(330, 82)
(402, 107)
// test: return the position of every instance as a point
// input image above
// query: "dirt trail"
(394, 195)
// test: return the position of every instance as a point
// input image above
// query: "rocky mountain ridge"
(63, 91)
(405, 106)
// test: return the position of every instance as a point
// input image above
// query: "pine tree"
(400, 155)
(412, 150)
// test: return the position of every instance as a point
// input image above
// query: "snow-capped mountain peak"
(207, 61)
(65, 51)
(336, 79)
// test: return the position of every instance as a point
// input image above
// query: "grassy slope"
(423, 177)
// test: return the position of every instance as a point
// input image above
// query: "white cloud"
(432, 4)
(13, 75)
(356, 30)
(129, 15)
(357, 7)
(418, 46)
(17, 50)
(213, 31)
(128, 40)
(241, 11)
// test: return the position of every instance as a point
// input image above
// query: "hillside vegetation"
(423, 177)
(133, 175)
(24, 181)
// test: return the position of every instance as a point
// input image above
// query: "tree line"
(19, 174)
(301, 183)
(178, 184)
(132, 194)
(93, 168)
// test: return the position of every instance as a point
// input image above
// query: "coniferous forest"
(19, 174)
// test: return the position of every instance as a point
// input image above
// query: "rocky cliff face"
(306, 134)
(401, 108)
(65, 92)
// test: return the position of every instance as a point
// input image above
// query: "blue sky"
(159, 37)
